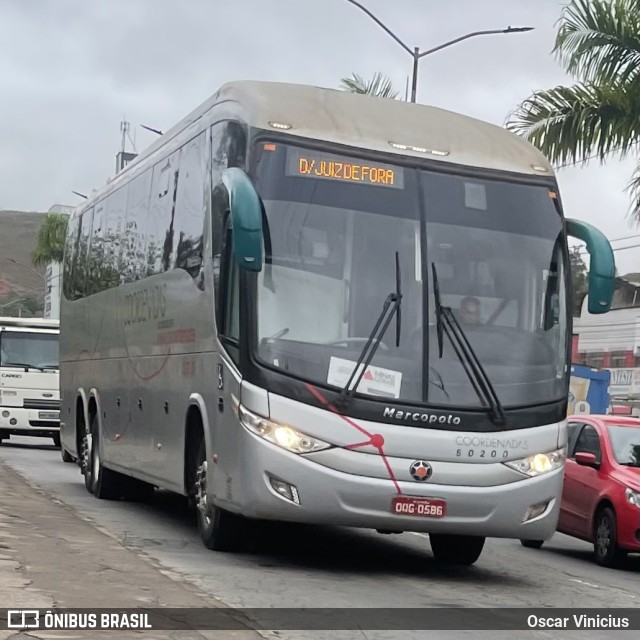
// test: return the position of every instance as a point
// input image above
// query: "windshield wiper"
(447, 323)
(630, 464)
(390, 308)
(22, 365)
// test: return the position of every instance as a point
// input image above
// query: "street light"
(416, 54)
(156, 131)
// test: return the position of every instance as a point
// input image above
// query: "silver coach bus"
(307, 305)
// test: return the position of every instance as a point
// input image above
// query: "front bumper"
(20, 421)
(328, 496)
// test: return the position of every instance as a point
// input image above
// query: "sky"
(71, 70)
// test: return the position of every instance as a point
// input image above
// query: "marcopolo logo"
(416, 416)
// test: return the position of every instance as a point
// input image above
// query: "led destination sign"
(313, 164)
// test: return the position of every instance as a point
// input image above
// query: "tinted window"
(70, 251)
(588, 442)
(134, 258)
(160, 231)
(573, 430)
(190, 207)
(116, 206)
(81, 256)
(96, 256)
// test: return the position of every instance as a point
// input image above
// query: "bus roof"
(29, 323)
(362, 122)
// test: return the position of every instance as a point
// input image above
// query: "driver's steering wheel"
(347, 341)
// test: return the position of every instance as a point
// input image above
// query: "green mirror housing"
(246, 218)
(602, 269)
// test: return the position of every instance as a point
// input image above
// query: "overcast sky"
(70, 70)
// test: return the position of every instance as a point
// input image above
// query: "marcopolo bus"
(306, 305)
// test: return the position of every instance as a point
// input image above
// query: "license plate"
(421, 507)
(49, 415)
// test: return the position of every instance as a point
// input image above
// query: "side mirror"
(246, 219)
(602, 269)
(585, 459)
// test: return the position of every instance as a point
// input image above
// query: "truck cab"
(29, 378)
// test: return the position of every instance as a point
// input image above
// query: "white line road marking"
(589, 584)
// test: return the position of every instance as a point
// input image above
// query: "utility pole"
(124, 129)
(124, 156)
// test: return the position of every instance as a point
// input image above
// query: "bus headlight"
(539, 463)
(281, 434)
(632, 496)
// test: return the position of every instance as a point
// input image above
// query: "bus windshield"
(26, 349)
(334, 225)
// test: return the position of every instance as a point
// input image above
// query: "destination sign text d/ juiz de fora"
(332, 167)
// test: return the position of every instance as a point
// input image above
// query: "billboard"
(625, 382)
(588, 390)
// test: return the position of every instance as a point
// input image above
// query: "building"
(53, 275)
(612, 341)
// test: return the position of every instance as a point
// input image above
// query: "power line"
(631, 246)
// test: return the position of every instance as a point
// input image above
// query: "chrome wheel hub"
(85, 453)
(202, 503)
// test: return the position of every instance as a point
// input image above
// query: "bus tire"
(532, 544)
(136, 490)
(105, 483)
(456, 550)
(220, 530)
(66, 456)
(84, 460)
(56, 440)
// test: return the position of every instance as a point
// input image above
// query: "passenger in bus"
(470, 310)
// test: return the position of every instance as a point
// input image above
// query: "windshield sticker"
(375, 381)
(475, 196)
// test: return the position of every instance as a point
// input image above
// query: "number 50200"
(480, 453)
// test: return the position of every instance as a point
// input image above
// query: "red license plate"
(421, 507)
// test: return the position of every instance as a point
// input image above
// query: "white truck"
(29, 378)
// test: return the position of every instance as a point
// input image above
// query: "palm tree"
(51, 238)
(598, 42)
(379, 86)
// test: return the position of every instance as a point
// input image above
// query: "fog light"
(285, 490)
(534, 511)
(13, 422)
(5, 414)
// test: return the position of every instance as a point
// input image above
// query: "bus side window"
(78, 279)
(164, 186)
(188, 225)
(228, 296)
(70, 257)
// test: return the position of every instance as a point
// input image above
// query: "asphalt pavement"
(72, 549)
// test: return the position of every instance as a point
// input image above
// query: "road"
(297, 566)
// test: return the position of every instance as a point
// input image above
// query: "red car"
(601, 494)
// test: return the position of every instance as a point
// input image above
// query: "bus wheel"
(532, 544)
(56, 440)
(219, 529)
(105, 484)
(66, 456)
(84, 460)
(452, 549)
